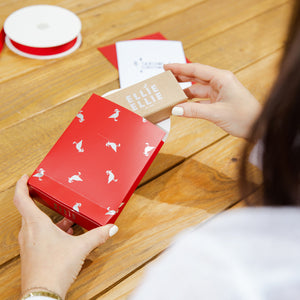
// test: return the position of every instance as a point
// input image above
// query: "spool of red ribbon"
(44, 51)
(43, 31)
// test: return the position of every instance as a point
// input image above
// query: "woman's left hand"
(51, 257)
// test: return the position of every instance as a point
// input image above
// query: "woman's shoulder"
(238, 229)
(248, 251)
(254, 218)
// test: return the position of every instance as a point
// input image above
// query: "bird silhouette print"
(111, 176)
(115, 115)
(148, 149)
(40, 174)
(80, 116)
(79, 146)
(114, 146)
(76, 206)
(112, 212)
(75, 178)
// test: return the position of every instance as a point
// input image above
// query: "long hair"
(278, 127)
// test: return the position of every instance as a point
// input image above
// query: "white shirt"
(248, 253)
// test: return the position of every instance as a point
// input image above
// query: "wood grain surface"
(195, 175)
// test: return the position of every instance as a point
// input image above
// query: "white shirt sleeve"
(249, 254)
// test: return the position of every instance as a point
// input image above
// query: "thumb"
(98, 236)
(206, 111)
(23, 202)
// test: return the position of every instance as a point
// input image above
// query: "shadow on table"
(191, 184)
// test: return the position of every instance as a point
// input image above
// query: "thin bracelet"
(43, 292)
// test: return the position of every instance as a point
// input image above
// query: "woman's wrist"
(40, 291)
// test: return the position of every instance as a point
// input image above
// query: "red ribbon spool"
(35, 31)
(44, 51)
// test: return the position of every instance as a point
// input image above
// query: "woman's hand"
(50, 256)
(230, 105)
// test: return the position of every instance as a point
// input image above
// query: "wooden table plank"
(225, 156)
(124, 289)
(210, 19)
(86, 71)
(252, 200)
(8, 7)
(252, 79)
(244, 44)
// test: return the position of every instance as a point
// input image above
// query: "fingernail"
(113, 230)
(67, 222)
(177, 111)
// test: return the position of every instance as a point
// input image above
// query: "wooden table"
(193, 178)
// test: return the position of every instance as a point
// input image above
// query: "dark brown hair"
(278, 127)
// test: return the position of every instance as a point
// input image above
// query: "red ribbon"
(2, 38)
(44, 51)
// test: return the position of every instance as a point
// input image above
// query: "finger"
(194, 71)
(23, 202)
(64, 224)
(208, 112)
(70, 231)
(205, 101)
(98, 236)
(198, 91)
(183, 78)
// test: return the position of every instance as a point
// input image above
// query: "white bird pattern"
(76, 206)
(111, 176)
(114, 146)
(40, 174)
(80, 116)
(79, 146)
(75, 178)
(112, 212)
(148, 149)
(115, 115)
(144, 120)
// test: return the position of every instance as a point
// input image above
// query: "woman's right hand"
(228, 103)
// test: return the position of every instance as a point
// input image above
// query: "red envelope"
(95, 166)
(110, 51)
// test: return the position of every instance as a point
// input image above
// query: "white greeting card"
(141, 59)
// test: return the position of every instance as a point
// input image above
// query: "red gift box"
(95, 166)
